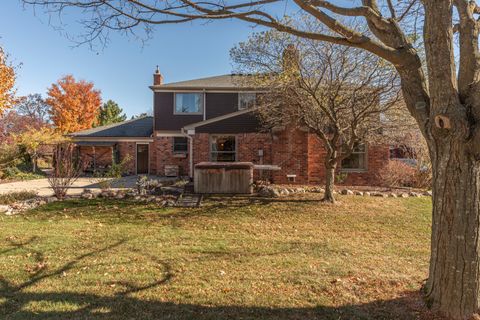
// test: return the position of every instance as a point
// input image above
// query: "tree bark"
(453, 287)
(34, 163)
(329, 185)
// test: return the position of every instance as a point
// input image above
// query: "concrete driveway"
(42, 187)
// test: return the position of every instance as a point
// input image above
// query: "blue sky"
(122, 71)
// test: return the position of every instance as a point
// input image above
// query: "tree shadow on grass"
(21, 301)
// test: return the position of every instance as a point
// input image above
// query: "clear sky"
(123, 71)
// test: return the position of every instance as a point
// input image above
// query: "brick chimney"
(157, 78)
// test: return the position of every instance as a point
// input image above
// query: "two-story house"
(213, 119)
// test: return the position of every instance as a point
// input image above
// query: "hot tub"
(223, 177)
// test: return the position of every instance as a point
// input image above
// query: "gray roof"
(95, 143)
(139, 127)
(222, 82)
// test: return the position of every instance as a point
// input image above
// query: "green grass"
(233, 258)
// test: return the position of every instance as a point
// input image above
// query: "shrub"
(399, 174)
(11, 197)
(341, 177)
(118, 169)
(66, 170)
(145, 185)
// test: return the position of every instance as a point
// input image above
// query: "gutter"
(190, 156)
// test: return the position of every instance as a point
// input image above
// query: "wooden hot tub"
(223, 177)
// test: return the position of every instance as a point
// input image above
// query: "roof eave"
(166, 88)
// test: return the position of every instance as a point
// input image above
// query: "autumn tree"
(341, 95)
(110, 112)
(444, 100)
(33, 139)
(7, 83)
(74, 104)
(34, 108)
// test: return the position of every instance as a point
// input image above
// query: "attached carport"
(103, 146)
(98, 155)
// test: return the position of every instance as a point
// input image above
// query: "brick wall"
(290, 152)
(316, 160)
(295, 151)
(128, 149)
(377, 157)
(161, 154)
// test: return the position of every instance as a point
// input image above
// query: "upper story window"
(246, 100)
(189, 103)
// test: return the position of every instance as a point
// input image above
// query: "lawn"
(233, 258)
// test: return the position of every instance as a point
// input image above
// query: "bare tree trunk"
(453, 287)
(34, 163)
(330, 166)
(329, 184)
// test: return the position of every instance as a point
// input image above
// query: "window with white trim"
(180, 145)
(188, 103)
(246, 100)
(357, 160)
(223, 148)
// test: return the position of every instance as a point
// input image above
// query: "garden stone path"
(189, 200)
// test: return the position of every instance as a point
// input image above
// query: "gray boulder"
(346, 192)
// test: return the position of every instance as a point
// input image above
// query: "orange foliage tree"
(7, 82)
(74, 104)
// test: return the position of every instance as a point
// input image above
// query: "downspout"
(190, 152)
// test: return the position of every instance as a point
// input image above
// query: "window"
(188, 103)
(357, 160)
(223, 148)
(246, 100)
(180, 144)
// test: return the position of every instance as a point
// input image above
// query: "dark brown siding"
(221, 103)
(164, 117)
(243, 123)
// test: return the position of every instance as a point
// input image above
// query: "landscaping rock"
(358, 193)
(379, 194)
(414, 194)
(51, 199)
(168, 203)
(366, 194)
(346, 192)
(392, 195)
(120, 195)
(269, 191)
(404, 195)
(5, 208)
(316, 190)
(428, 193)
(174, 191)
(87, 195)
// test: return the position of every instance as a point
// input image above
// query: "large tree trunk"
(329, 184)
(330, 167)
(453, 287)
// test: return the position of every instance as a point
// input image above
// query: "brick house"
(213, 119)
